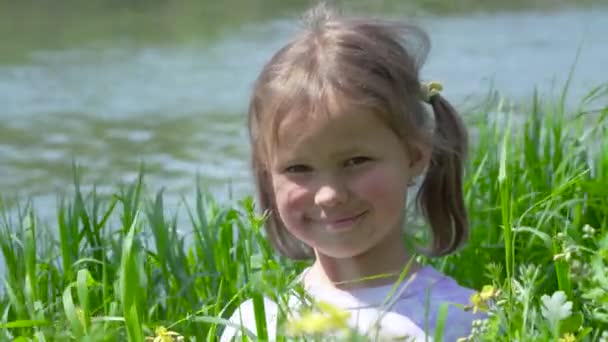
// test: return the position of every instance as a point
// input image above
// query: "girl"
(340, 130)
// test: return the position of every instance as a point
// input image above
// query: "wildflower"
(479, 301)
(165, 335)
(329, 318)
(488, 292)
(556, 308)
(565, 256)
(587, 229)
(568, 337)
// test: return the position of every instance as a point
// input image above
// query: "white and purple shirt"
(412, 310)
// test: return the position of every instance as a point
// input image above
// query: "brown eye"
(298, 169)
(356, 161)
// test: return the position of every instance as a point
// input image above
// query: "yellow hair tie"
(430, 89)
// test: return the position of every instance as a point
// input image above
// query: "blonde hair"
(366, 64)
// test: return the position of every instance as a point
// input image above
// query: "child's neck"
(382, 265)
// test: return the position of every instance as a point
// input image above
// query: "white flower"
(556, 308)
(587, 229)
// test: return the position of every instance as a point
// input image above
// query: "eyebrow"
(347, 152)
(353, 150)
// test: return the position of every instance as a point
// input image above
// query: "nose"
(329, 195)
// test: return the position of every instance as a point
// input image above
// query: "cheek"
(382, 188)
(292, 200)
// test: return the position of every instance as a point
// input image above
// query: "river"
(176, 100)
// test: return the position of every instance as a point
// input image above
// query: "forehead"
(313, 115)
(347, 129)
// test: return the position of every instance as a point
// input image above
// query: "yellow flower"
(489, 292)
(479, 300)
(165, 335)
(327, 318)
(568, 337)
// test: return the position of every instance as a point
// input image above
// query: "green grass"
(117, 267)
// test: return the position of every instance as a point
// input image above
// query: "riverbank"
(30, 25)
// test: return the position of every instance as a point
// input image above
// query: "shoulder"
(242, 321)
(445, 292)
(428, 282)
(447, 288)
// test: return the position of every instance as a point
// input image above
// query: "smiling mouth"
(344, 223)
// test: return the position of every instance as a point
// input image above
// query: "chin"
(342, 254)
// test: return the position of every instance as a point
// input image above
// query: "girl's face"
(340, 182)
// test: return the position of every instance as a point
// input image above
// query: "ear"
(419, 157)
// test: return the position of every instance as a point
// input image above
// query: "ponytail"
(441, 196)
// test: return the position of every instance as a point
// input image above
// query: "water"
(112, 101)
